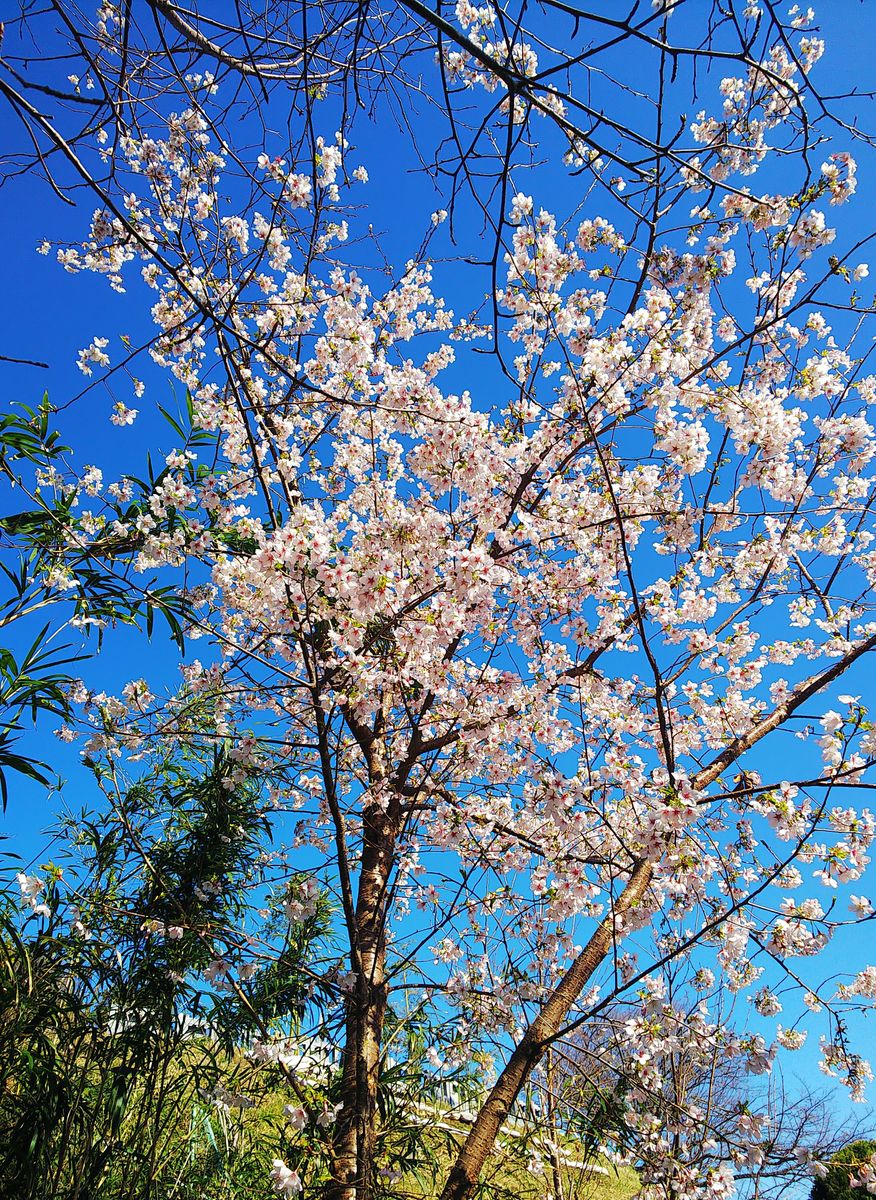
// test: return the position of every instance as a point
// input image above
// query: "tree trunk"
(356, 1126)
(551, 1106)
(544, 1028)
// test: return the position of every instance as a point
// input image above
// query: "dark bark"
(356, 1126)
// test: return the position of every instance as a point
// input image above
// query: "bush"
(843, 1165)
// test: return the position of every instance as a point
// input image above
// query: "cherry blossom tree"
(518, 604)
(769, 1129)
